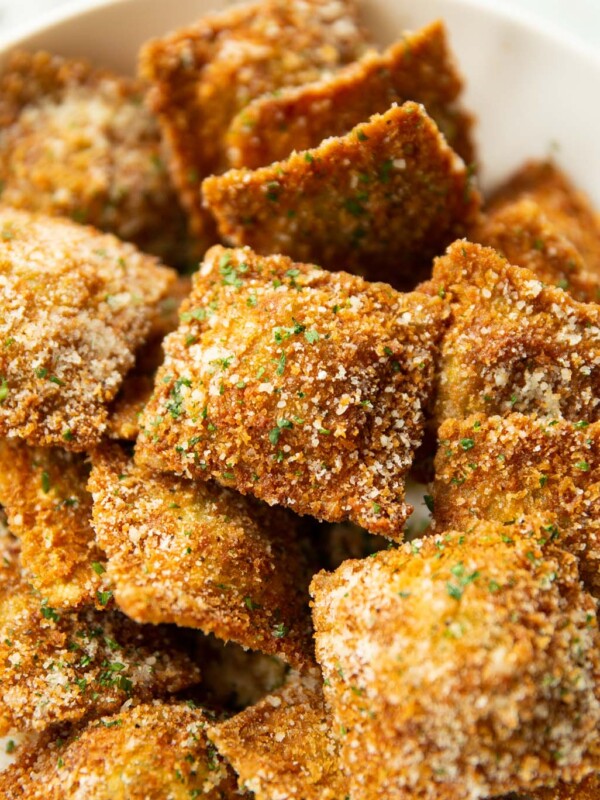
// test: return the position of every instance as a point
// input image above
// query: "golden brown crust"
(418, 67)
(150, 752)
(319, 410)
(513, 344)
(76, 304)
(522, 233)
(381, 200)
(60, 666)
(125, 412)
(200, 556)
(44, 495)
(505, 469)
(78, 142)
(563, 204)
(588, 789)
(283, 747)
(136, 390)
(203, 75)
(463, 665)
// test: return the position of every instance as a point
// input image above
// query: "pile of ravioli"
(211, 586)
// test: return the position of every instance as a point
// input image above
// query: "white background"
(580, 17)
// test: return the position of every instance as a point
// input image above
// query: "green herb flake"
(98, 568)
(583, 466)
(467, 444)
(280, 630)
(45, 481)
(104, 597)
(311, 336)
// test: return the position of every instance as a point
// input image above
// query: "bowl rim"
(524, 18)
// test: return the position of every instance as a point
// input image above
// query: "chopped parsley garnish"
(467, 444)
(279, 630)
(45, 481)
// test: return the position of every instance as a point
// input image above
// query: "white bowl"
(534, 90)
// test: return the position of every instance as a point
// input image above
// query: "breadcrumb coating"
(200, 556)
(136, 390)
(418, 67)
(513, 345)
(563, 204)
(460, 666)
(588, 789)
(522, 233)
(76, 304)
(299, 386)
(381, 200)
(202, 76)
(506, 469)
(69, 665)
(78, 142)
(149, 752)
(49, 509)
(125, 412)
(283, 747)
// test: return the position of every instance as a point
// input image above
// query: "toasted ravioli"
(203, 75)
(149, 752)
(68, 665)
(200, 556)
(75, 305)
(125, 412)
(563, 204)
(283, 747)
(78, 142)
(505, 469)
(418, 67)
(466, 666)
(43, 491)
(299, 386)
(522, 233)
(381, 200)
(512, 343)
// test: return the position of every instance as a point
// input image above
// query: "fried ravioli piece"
(283, 747)
(513, 344)
(76, 304)
(418, 67)
(203, 75)
(200, 556)
(299, 386)
(149, 752)
(506, 469)
(125, 412)
(466, 666)
(68, 665)
(521, 232)
(136, 390)
(562, 203)
(78, 142)
(49, 509)
(381, 200)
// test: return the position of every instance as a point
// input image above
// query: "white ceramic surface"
(534, 90)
